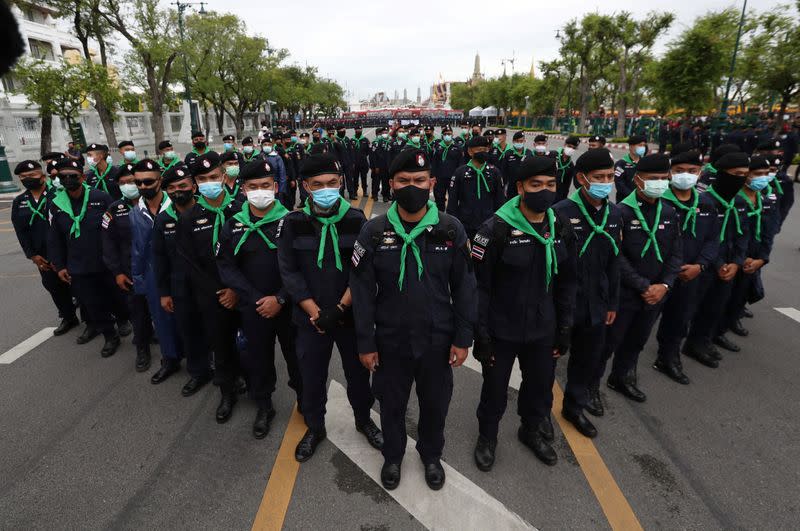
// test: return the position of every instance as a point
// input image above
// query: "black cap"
(68, 164)
(540, 138)
(681, 148)
(759, 162)
(655, 163)
(125, 143)
(533, 166)
(302, 135)
(51, 166)
(53, 155)
(597, 138)
(146, 165)
(27, 165)
(691, 156)
(518, 135)
(723, 149)
(125, 170)
(287, 136)
(267, 138)
(228, 137)
(320, 164)
(257, 169)
(488, 132)
(447, 129)
(205, 163)
(413, 131)
(500, 131)
(769, 145)
(197, 133)
(636, 139)
(96, 147)
(228, 156)
(429, 129)
(478, 141)
(573, 141)
(247, 141)
(733, 160)
(594, 159)
(410, 160)
(175, 173)
(164, 144)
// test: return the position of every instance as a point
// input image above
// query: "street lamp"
(183, 6)
(723, 112)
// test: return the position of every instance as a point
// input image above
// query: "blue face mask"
(448, 138)
(228, 146)
(772, 176)
(757, 184)
(326, 198)
(684, 181)
(519, 145)
(294, 139)
(211, 189)
(599, 190)
(129, 155)
(640, 151)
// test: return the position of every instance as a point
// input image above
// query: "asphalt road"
(88, 443)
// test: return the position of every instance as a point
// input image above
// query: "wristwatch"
(280, 300)
(666, 286)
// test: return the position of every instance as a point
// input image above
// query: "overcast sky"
(375, 45)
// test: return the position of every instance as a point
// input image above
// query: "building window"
(41, 49)
(9, 84)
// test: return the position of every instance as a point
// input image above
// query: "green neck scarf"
(171, 212)
(561, 167)
(511, 214)
(194, 150)
(413, 144)
(708, 168)
(274, 214)
(691, 211)
(778, 186)
(251, 156)
(627, 158)
(729, 207)
(632, 202)
(430, 219)
(64, 202)
(37, 210)
(446, 148)
(481, 177)
(329, 227)
(101, 179)
(165, 167)
(596, 229)
(232, 192)
(755, 210)
(219, 211)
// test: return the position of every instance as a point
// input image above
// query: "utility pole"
(723, 111)
(183, 6)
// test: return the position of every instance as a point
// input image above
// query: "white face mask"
(684, 181)
(384, 135)
(261, 199)
(266, 149)
(129, 191)
(302, 141)
(540, 148)
(568, 151)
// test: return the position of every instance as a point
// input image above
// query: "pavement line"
(272, 511)
(14, 353)
(6, 230)
(790, 312)
(368, 207)
(612, 501)
(461, 504)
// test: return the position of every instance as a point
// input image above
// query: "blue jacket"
(142, 258)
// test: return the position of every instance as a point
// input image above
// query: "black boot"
(726, 343)
(595, 405)
(372, 433)
(533, 439)
(434, 475)
(747, 313)
(66, 324)
(626, 386)
(390, 475)
(88, 334)
(308, 444)
(166, 370)
(673, 370)
(263, 419)
(111, 345)
(124, 328)
(193, 385)
(142, 358)
(546, 428)
(581, 423)
(225, 407)
(484, 453)
(739, 330)
(700, 354)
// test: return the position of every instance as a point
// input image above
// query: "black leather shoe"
(673, 370)
(700, 355)
(308, 445)
(595, 405)
(124, 328)
(714, 352)
(194, 385)
(434, 475)
(484, 453)
(225, 407)
(727, 344)
(263, 419)
(580, 422)
(747, 313)
(110, 347)
(88, 334)
(626, 387)
(739, 330)
(546, 428)
(142, 358)
(390, 476)
(66, 325)
(372, 433)
(164, 372)
(241, 386)
(533, 439)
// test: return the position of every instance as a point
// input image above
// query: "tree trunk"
(585, 95)
(623, 97)
(219, 114)
(46, 135)
(157, 102)
(107, 120)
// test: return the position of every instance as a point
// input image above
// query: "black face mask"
(199, 146)
(148, 193)
(70, 181)
(358, 132)
(341, 134)
(412, 198)
(481, 156)
(727, 185)
(315, 139)
(31, 184)
(181, 197)
(539, 201)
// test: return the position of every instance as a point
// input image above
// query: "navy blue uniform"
(445, 160)
(509, 165)
(361, 152)
(105, 180)
(520, 315)
(496, 153)
(396, 146)
(462, 196)
(624, 170)
(784, 191)
(379, 160)
(298, 247)
(565, 171)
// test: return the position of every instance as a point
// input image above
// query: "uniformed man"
(565, 168)
(379, 160)
(510, 161)
(128, 152)
(172, 277)
(476, 188)
(249, 151)
(231, 167)
(269, 154)
(498, 149)
(343, 148)
(414, 140)
(300, 153)
(197, 241)
(361, 152)
(248, 262)
(414, 304)
(75, 250)
(731, 171)
(709, 172)
(286, 151)
(167, 156)
(781, 185)
(199, 147)
(625, 168)
(399, 142)
(446, 158)
(697, 217)
(525, 263)
(651, 256)
(597, 141)
(597, 224)
(540, 145)
(102, 174)
(229, 144)
(29, 216)
(429, 140)
(313, 252)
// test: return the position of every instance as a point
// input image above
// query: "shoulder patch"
(477, 252)
(480, 239)
(106, 220)
(358, 253)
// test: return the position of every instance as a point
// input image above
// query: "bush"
(619, 139)
(796, 159)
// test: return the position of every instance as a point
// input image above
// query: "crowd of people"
(513, 250)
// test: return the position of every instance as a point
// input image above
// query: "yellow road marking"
(272, 511)
(368, 207)
(355, 202)
(6, 230)
(616, 508)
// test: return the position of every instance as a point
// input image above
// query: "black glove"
(563, 339)
(330, 318)
(482, 350)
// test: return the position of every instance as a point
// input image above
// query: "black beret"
(146, 165)
(197, 133)
(636, 139)
(302, 135)
(125, 143)
(27, 165)
(681, 148)
(175, 173)
(775, 160)
(257, 169)
(518, 135)
(447, 129)
(205, 163)
(341, 127)
(51, 166)
(500, 131)
(68, 164)
(723, 149)
(532, 166)
(267, 138)
(332, 128)
(594, 159)
(597, 138)
(96, 147)
(572, 141)
(414, 131)
(125, 170)
(759, 162)
(540, 138)
(53, 155)
(428, 128)
(293, 132)
(488, 132)
(478, 141)
(228, 137)
(477, 124)
(320, 164)
(655, 163)
(228, 156)
(247, 141)
(691, 156)
(287, 135)
(410, 160)
(769, 145)
(732, 160)
(164, 144)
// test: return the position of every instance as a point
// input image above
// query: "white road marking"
(791, 313)
(373, 216)
(26, 346)
(461, 504)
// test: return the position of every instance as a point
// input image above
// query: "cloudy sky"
(375, 45)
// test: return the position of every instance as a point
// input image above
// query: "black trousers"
(140, 318)
(258, 361)
(742, 284)
(440, 193)
(193, 337)
(351, 180)
(391, 383)
(289, 197)
(97, 292)
(714, 296)
(627, 337)
(376, 183)
(585, 355)
(535, 398)
(386, 192)
(220, 326)
(562, 189)
(60, 293)
(361, 176)
(679, 308)
(314, 355)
